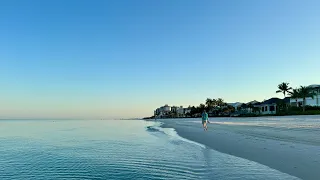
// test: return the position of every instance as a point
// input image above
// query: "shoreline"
(294, 158)
(267, 115)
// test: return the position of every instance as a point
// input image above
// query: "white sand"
(288, 144)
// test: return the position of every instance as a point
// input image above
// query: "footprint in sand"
(292, 146)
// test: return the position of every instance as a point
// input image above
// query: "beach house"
(236, 105)
(315, 101)
(270, 106)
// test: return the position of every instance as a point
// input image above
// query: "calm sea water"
(96, 149)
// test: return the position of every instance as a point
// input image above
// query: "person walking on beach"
(205, 120)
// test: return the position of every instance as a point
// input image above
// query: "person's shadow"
(207, 154)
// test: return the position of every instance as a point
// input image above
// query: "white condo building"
(162, 110)
(166, 110)
(309, 101)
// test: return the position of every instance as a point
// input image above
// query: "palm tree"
(220, 102)
(281, 106)
(256, 109)
(214, 102)
(250, 105)
(244, 106)
(193, 110)
(295, 94)
(284, 88)
(202, 107)
(231, 108)
(317, 91)
(209, 102)
(306, 92)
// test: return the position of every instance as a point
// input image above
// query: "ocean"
(114, 149)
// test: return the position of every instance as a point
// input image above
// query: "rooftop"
(314, 86)
(275, 100)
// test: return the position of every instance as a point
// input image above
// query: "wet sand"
(288, 144)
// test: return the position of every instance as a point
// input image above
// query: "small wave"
(172, 133)
(152, 129)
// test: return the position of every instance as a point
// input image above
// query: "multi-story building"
(180, 111)
(162, 111)
(174, 111)
(315, 101)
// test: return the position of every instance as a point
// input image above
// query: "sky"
(122, 58)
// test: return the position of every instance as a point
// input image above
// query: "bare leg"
(207, 124)
(204, 126)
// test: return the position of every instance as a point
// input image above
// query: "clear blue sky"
(123, 58)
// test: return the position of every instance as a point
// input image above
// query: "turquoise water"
(96, 149)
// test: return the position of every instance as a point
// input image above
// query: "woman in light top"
(205, 120)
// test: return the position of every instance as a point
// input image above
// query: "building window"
(262, 109)
(266, 108)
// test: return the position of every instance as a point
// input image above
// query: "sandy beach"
(288, 144)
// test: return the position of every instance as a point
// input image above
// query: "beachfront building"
(162, 111)
(236, 105)
(177, 111)
(315, 101)
(180, 111)
(249, 107)
(166, 108)
(253, 102)
(186, 110)
(171, 112)
(174, 109)
(244, 108)
(270, 106)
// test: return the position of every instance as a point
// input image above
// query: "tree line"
(218, 107)
(214, 107)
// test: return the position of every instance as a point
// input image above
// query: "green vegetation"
(309, 110)
(306, 92)
(298, 93)
(284, 88)
(214, 107)
(218, 108)
(295, 94)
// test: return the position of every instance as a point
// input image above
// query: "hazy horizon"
(123, 59)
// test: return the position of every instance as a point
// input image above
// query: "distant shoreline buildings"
(176, 111)
(266, 107)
